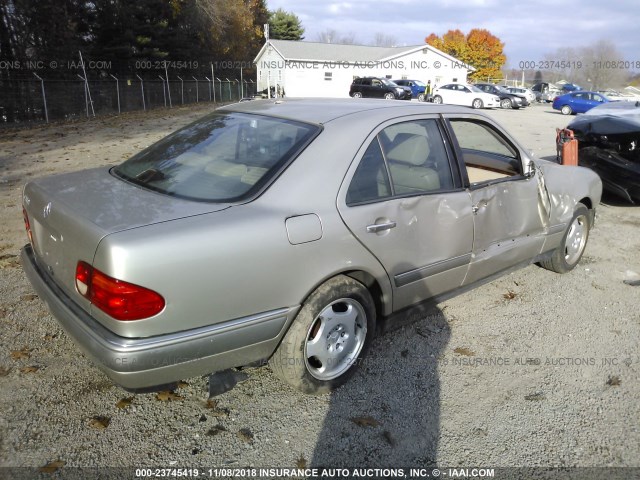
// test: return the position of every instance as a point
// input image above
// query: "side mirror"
(529, 168)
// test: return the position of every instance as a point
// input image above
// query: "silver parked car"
(527, 93)
(286, 230)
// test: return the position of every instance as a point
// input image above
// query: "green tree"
(285, 26)
(44, 29)
(121, 30)
(11, 33)
(124, 31)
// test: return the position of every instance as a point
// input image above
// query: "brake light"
(117, 298)
(27, 225)
(83, 278)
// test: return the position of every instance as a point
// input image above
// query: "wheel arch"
(382, 300)
(587, 202)
(375, 290)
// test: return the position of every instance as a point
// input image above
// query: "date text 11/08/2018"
(578, 64)
(315, 472)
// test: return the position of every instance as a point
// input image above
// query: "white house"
(308, 69)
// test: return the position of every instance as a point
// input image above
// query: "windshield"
(502, 89)
(388, 83)
(419, 83)
(475, 89)
(221, 158)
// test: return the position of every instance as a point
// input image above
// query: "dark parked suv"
(376, 87)
(507, 99)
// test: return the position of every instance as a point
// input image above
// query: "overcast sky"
(529, 30)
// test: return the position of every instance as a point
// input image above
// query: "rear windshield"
(223, 157)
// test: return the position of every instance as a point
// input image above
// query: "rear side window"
(404, 159)
(222, 158)
(371, 180)
(416, 158)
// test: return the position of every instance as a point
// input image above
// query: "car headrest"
(414, 150)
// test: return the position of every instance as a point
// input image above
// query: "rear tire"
(437, 99)
(566, 110)
(569, 253)
(328, 338)
(357, 95)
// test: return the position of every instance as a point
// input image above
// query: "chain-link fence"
(36, 98)
(510, 82)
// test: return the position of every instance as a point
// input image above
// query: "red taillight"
(118, 299)
(83, 278)
(27, 225)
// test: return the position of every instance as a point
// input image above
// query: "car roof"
(575, 92)
(324, 110)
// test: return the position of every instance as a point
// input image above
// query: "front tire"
(569, 253)
(421, 97)
(437, 99)
(477, 103)
(328, 338)
(566, 110)
(389, 96)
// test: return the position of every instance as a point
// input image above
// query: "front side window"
(486, 153)
(221, 158)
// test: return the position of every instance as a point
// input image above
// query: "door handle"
(478, 206)
(379, 227)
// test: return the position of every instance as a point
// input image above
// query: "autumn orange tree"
(479, 48)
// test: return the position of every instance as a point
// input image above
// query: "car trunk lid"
(70, 214)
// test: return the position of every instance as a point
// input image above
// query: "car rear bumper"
(143, 363)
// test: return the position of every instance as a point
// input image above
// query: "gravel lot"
(534, 369)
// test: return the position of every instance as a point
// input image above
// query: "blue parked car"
(417, 87)
(578, 102)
